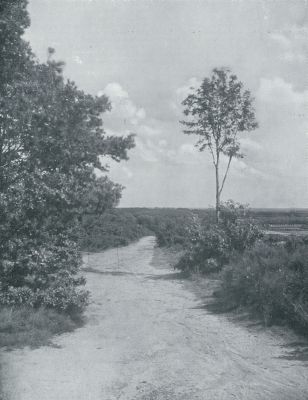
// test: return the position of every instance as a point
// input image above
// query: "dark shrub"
(270, 280)
(211, 245)
(207, 253)
(26, 326)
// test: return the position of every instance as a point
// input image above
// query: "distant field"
(283, 221)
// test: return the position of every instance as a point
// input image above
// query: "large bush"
(211, 245)
(240, 229)
(208, 252)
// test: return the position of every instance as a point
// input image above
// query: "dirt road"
(146, 339)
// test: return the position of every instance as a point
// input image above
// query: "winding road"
(147, 338)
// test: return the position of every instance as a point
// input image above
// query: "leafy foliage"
(52, 145)
(212, 245)
(240, 229)
(217, 112)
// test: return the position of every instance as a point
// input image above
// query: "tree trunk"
(217, 194)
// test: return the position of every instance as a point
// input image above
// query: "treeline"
(51, 145)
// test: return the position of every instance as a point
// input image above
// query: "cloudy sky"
(145, 55)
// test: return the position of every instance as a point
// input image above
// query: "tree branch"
(213, 157)
(226, 173)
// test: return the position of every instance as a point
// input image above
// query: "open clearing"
(146, 338)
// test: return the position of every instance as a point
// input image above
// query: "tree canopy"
(217, 112)
(53, 151)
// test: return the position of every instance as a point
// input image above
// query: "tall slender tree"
(217, 112)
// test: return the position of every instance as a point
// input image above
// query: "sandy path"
(146, 339)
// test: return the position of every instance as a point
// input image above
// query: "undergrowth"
(26, 326)
(271, 282)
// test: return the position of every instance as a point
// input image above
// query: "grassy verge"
(25, 326)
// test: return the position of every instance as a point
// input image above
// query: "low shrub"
(61, 297)
(211, 245)
(269, 280)
(26, 326)
(240, 229)
(208, 252)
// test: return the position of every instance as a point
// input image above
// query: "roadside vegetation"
(270, 280)
(264, 274)
(51, 145)
(28, 326)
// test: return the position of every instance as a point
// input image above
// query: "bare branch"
(226, 173)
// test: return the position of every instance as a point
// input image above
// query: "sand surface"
(147, 339)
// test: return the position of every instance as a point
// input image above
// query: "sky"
(146, 55)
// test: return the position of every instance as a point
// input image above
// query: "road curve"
(147, 339)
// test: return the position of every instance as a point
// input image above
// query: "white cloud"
(114, 91)
(158, 151)
(116, 132)
(140, 114)
(290, 56)
(126, 117)
(282, 113)
(149, 130)
(188, 148)
(146, 151)
(282, 109)
(280, 39)
(186, 89)
(127, 171)
(292, 44)
(124, 110)
(181, 93)
(77, 60)
(240, 167)
(248, 144)
(279, 91)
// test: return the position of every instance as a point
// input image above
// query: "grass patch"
(25, 326)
